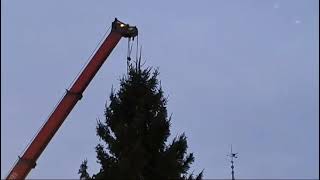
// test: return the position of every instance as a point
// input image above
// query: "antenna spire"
(232, 157)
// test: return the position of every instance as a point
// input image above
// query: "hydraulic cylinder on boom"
(28, 160)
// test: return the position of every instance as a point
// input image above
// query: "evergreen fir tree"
(135, 132)
(83, 170)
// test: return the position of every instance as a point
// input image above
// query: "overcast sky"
(236, 72)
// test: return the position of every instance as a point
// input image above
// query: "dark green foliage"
(135, 132)
(83, 170)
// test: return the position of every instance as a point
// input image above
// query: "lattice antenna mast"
(232, 157)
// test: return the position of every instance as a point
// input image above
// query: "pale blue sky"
(236, 72)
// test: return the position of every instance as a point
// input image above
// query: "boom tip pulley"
(124, 29)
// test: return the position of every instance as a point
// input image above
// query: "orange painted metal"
(42, 139)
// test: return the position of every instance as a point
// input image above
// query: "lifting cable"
(137, 49)
(129, 52)
(130, 47)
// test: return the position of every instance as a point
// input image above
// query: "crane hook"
(129, 49)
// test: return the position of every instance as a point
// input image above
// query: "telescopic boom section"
(32, 153)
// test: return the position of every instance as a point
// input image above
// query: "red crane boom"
(73, 95)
